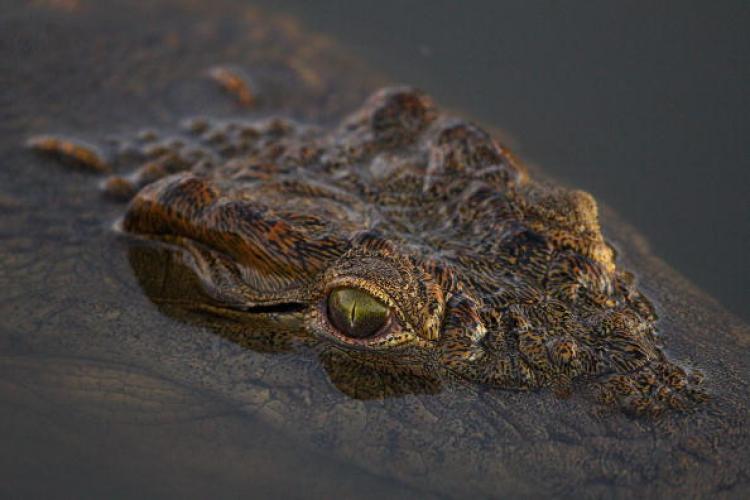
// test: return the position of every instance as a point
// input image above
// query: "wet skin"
(406, 238)
(497, 337)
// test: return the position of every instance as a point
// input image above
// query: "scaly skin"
(95, 371)
(489, 275)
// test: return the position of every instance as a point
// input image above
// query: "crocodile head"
(405, 240)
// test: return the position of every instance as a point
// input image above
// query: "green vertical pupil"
(356, 313)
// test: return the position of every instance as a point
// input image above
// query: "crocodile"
(407, 239)
(389, 284)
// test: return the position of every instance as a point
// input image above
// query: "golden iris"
(356, 313)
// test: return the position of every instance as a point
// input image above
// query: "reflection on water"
(171, 284)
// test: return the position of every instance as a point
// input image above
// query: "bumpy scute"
(489, 275)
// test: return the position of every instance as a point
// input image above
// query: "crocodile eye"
(356, 313)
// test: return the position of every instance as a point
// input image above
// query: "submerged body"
(391, 278)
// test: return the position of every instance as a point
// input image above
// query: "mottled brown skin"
(100, 389)
(489, 276)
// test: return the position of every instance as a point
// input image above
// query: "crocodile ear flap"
(391, 117)
(272, 251)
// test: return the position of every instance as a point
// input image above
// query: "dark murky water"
(645, 105)
(104, 395)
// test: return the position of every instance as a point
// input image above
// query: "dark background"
(645, 104)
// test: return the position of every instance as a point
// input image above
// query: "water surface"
(103, 394)
(643, 104)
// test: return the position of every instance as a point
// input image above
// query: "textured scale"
(493, 277)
